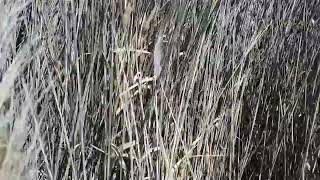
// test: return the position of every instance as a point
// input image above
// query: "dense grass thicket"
(165, 89)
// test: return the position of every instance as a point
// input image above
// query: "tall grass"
(95, 89)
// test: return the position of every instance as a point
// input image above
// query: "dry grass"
(95, 89)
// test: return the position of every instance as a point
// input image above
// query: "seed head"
(158, 56)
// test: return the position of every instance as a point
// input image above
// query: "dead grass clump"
(159, 90)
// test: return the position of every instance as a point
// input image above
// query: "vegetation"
(121, 89)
